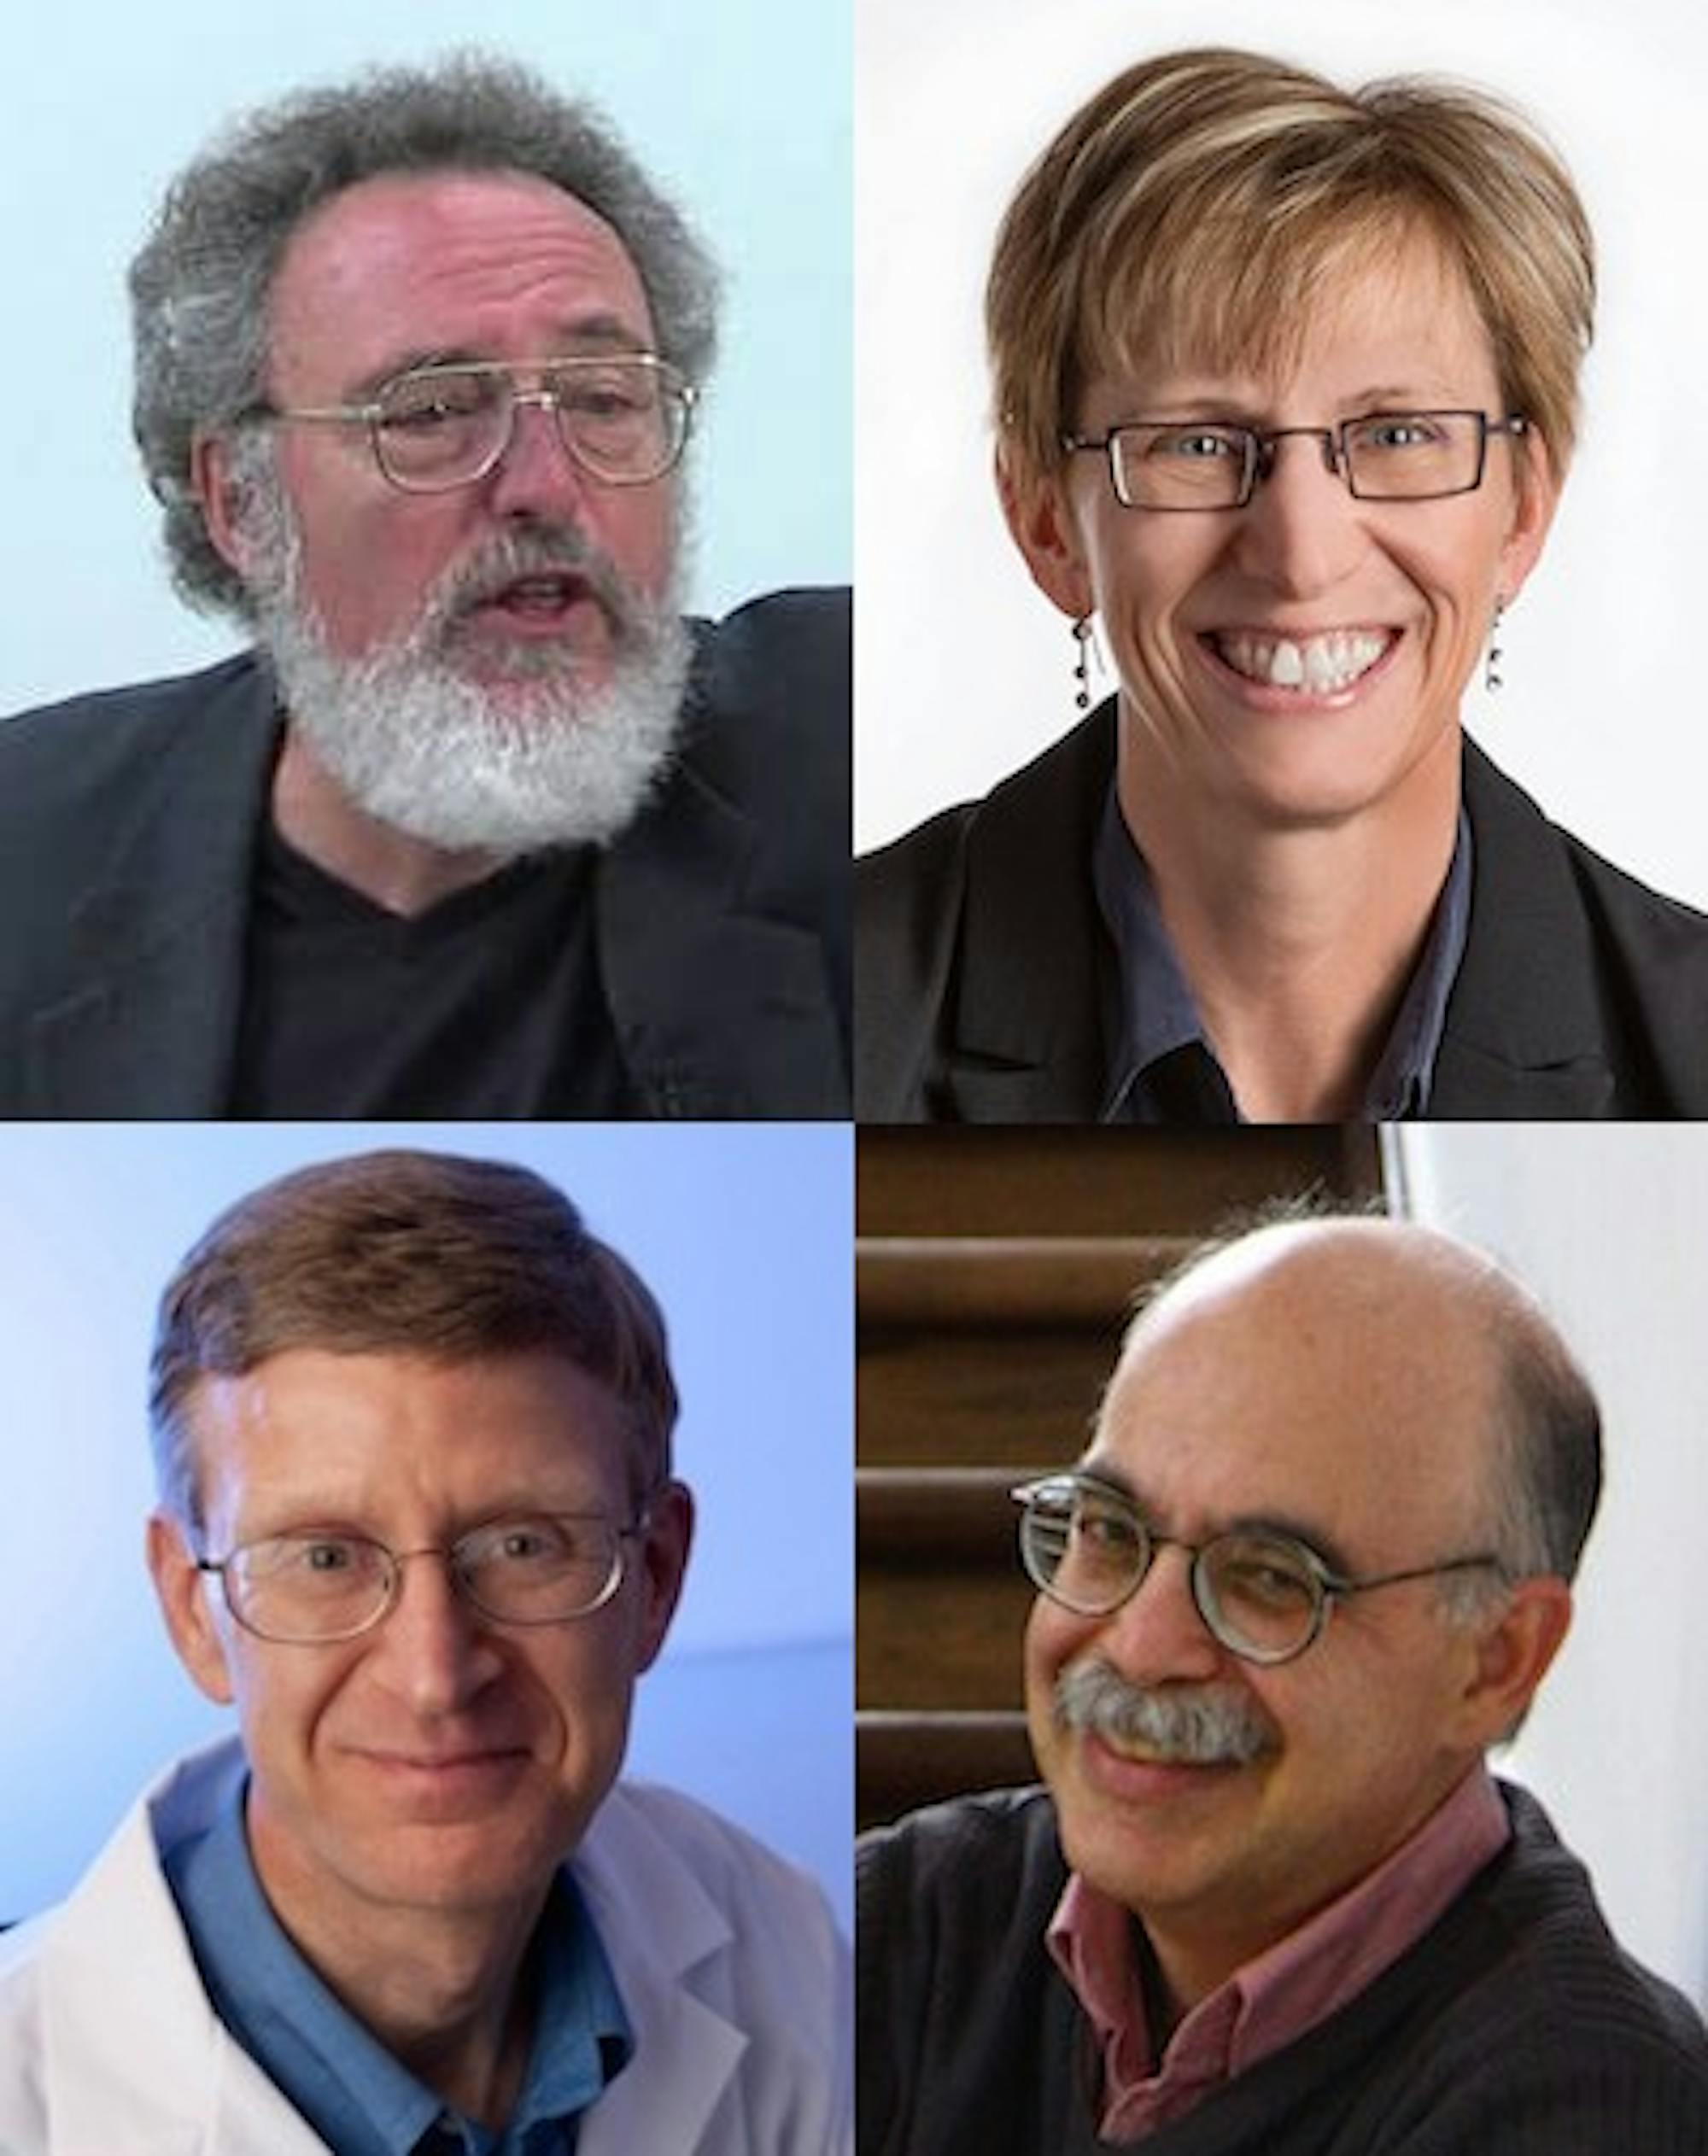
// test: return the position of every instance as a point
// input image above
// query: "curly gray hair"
(201, 284)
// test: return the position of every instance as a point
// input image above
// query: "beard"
(546, 758)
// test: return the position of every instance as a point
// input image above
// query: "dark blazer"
(128, 826)
(979, 941)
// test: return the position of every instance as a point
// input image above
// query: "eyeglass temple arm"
(1337, 1583)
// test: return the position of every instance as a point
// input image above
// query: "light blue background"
(745, 1234)
(740, 109)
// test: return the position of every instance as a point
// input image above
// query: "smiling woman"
(1286, 387)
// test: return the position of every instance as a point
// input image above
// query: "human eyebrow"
(1294, 1530)
(1406, 397)
(594, 336)
(1091, 1469)
(1290, 1525)
(588, 1506)
(596, 333)
(298, 1524)
(412, 362)
(1219, 410)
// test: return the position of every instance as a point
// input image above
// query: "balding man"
(1313, 1564)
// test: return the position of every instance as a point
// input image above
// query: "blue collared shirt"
(357, 2097)
(1164, 1069)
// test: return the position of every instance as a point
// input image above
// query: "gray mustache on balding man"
(1200, 1725)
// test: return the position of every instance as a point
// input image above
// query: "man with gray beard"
(1314, 1561)
(481, 826)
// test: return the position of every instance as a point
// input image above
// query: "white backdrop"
(741, 109)
(963, 668)
(745, 1234)
(1603, 1223)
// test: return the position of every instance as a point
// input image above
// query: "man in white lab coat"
(418, 1524)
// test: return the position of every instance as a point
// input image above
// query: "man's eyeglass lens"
(314, 1586)
(1090, 1550)
(1413, 456)
(625, 420)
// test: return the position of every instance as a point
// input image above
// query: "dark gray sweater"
(1515, 2027)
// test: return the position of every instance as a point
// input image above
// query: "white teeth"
(1143, 1755)
(1322, 664)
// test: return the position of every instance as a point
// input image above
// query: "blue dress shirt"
(1164, 1069)
(359, 2099)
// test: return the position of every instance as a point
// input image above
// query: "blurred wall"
(1603, 1223)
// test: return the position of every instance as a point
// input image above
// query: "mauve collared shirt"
(1272, 2000)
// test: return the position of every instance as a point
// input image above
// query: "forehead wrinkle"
(472, 274)
(423, 251)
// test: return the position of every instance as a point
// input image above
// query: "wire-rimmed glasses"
(1178, 465)
(624, 417)
(1265, 1594)
(310, 1586)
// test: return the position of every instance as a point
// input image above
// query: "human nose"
(432, 1647)
(535, 475)
(1301, 530)
(1159, 1633)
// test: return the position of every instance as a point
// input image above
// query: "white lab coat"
(732, 1971)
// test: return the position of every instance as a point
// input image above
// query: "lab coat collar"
(667, 1941)
(135, 2056)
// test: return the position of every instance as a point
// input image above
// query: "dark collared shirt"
(1270, 2001)
(1164, 1069)
(358, 2098)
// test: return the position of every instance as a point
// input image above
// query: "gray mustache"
(1196, 1725)
(543, 550)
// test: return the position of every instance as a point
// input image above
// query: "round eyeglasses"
(1382, 455)
(623, 419)
(1264, 1594)
(313, 1585)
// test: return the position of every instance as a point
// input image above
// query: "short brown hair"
(424, 1253)
(1194, 205)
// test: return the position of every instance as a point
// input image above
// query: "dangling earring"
(1082, 680)
(1491, 670)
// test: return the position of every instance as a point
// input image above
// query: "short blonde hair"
(1193, 210)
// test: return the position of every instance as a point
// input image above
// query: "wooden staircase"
(994, 1273)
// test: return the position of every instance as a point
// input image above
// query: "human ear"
(1042, 524)
(664, 1552)
(183, 1603)
(1536, 496)
(1509, 1657)
(222, 497)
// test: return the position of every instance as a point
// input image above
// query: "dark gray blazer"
(978, 945)
(128, 825)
